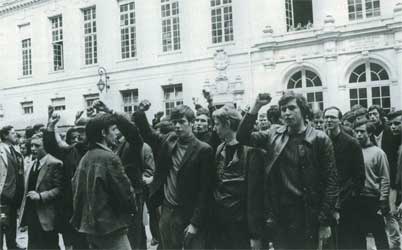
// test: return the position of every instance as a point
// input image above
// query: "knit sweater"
(377, 173)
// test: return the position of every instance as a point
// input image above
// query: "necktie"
(36, 167)
(13, 153)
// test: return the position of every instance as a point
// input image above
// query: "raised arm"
(244, 133)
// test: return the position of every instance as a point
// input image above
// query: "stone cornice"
(319, 36)
(15, 5)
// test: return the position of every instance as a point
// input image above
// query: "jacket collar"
(101, 146)
(308, 137)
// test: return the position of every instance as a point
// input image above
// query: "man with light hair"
(238, 187)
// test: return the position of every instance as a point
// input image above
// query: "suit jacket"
(194, 177)
(48, 185)
(12, 164)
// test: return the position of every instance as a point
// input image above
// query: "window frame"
(58, 107)
(128, 50)
(133, 104)
(306, 90)
(174, 101)
(27, 107)
(369, 84)
(90, 98)
(375, 12)
(90, 58)
(57, 42)
(170, 21)
(26, 53)
(220, 6)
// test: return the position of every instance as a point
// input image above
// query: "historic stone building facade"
(56, 52)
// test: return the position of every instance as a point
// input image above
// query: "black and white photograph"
(201, 124)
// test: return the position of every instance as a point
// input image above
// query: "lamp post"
(103, 78)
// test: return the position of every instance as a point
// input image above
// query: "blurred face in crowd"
(361, 117)
(396, 125)
(37, 149)
(263, 122)
(318, 123)
(182, 127)
(12, 137)
(23, 149)
(221, 129)
(201, 124)
(291, 114)
(374, 115)
(347, 123)
(331, 117)
(362, 135)
(110, 135)
(75, 137)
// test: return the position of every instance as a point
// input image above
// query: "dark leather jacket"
(319, 174)
(103, 197)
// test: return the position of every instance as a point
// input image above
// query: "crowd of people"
(210, 178)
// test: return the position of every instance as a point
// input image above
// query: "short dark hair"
(349, 116)
(69, 134)
(274, 114)
(371, 126)
(5, 131)
(394, 114)
(360, 111)
(29, 132)
(378, 108)
(95, 126)
(337, 109)
(181, 111)
(300, 100)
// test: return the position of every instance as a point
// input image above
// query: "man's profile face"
(291, 114)
(182, 127)
(221, 129)
(12, 137)
(396, 125)
(201, 124)
(111, 135)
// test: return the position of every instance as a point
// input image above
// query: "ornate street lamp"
(103, 78)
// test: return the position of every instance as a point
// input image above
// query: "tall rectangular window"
(27, 107)
(130, 100)
(170, 25)
(90, 99)
(127, 30)
(57, 42)
(26, 57)
(91, 46)
(299, 14)
(222, 21)
(59, 103)
(289, 14)
(359, 9)
(173, 96)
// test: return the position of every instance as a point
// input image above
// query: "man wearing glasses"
(351, 176)
(302, 178)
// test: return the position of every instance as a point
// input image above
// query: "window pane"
(385, 91)
(375, 92)
(362, 93)
(353, 93)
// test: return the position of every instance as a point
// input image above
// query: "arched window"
(309, 84)
(369, 85)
